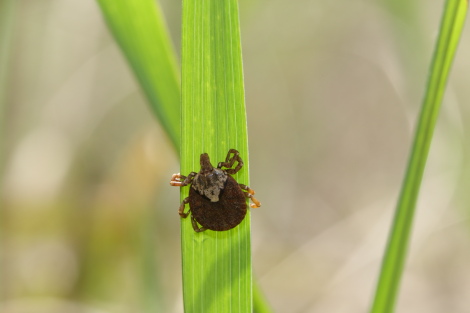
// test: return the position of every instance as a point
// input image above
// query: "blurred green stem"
(393, 262)
(260, 303)
(6, 27)
(140, 30)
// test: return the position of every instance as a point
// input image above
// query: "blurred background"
(89, 223)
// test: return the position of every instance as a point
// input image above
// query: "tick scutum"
(224, 214)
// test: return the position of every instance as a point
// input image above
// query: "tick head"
(206, 166)
(209, 181)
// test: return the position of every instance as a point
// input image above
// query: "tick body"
(216, 201)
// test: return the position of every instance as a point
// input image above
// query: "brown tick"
(216, 201)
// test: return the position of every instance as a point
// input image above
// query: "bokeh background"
(89, 222)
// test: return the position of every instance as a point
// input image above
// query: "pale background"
(332, 92)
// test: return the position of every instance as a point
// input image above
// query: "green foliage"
(216, 265)
(260, 304)
(6, 21)
(393, 262)
(139, 28)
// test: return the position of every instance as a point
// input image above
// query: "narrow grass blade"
(7, 9)
(217, 271)
(393, 262)
(139, 28)
(6, 35)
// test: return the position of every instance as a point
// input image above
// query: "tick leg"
(181, 209)
(249, 194)
(180, 180)
(230, 160)
(196, 227)
(185, 215)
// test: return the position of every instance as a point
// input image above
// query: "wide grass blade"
(393, 262)
(139, 28)
(216, 265)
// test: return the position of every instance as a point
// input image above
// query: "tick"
(216, 201)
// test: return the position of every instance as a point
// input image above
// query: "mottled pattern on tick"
(210, 185)
(224, 214)
(216, 200)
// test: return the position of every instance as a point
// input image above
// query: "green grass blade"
(139, 28)
(217, 270)
(393, 262)
(7, 9)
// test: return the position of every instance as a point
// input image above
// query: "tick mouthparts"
(205, 162)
